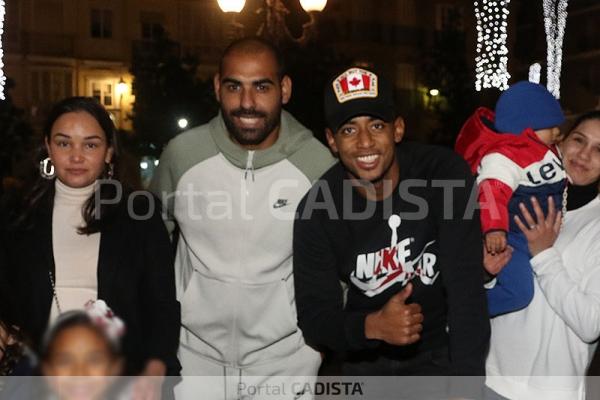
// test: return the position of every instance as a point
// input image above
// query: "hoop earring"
(47, 169)
(111, 171)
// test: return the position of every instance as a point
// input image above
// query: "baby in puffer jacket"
(513, 152)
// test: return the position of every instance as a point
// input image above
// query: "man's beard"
(251, 137)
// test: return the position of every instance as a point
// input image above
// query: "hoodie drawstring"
(249, 165)
(224, 383)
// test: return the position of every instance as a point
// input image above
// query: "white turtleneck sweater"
(75, 255)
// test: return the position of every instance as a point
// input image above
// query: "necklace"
(54, 292)
(565, 195)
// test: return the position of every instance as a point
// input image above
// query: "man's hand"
(493, 263)
(396, 323)
(495, 242)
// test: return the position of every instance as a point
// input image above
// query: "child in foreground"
(81, 353)
(514, 154)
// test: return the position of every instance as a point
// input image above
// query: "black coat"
(135, 278)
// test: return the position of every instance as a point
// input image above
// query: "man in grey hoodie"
(232, 186)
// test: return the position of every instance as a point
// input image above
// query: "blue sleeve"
(514, 284)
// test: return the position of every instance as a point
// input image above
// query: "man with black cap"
(396, 224)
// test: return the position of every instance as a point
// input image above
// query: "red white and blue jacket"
(511, 169)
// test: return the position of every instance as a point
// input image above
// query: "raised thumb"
(404, 294)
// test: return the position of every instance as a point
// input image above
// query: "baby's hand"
(495, 242)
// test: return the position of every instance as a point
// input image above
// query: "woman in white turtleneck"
(79, 151)
(80, 237)
(75, 255)
(544, 350)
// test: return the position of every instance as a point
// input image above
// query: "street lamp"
(121, 87)
(232, 5)
(313, 5)
(121, 90)
(274, 27)
(182, 123)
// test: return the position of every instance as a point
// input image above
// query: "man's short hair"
(255, 45)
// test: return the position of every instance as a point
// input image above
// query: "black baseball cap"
(356, 92)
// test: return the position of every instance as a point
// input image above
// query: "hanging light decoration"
(491, 61)
(2, 76)
(555, 21)
(535, 73)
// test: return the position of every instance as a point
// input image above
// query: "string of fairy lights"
(555, 21)
(491, 61)
(2, 77)
(535, 72)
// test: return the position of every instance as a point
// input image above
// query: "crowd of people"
(257, 251)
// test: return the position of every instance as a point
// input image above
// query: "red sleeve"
(493, 198)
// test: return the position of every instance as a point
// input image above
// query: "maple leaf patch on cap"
(355, 83)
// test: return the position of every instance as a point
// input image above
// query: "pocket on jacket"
(207, 312)
(267, 321)
(239, 323)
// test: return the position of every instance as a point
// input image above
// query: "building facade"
(59, 48)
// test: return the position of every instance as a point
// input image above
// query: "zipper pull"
(249, 165)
